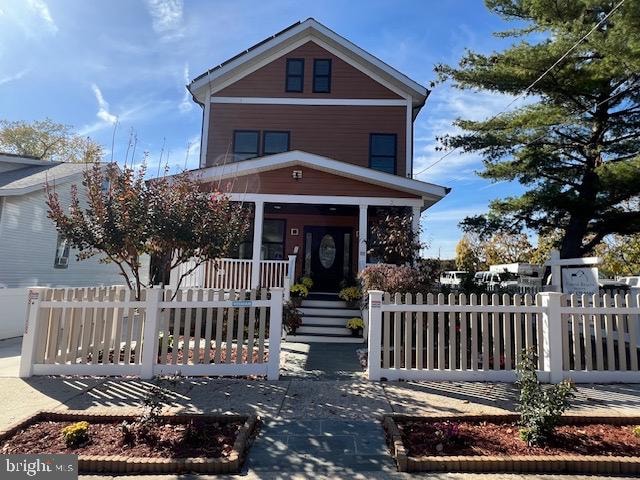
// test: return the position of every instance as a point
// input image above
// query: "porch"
(323, 237)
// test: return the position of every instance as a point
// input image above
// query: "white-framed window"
(62, 253)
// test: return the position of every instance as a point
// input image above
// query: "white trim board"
(362, 102)
(312, 30)
(325, 199)
(296, 157)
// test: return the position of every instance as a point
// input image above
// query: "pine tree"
(575, 145)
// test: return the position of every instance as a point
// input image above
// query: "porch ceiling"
(309, 209)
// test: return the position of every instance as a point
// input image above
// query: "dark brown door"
(327, 256)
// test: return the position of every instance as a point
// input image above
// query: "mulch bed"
(423, 438)
(491, 443)
(171, 444)
(178, 357)
(212, 439)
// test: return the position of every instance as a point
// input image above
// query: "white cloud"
(103, 107)
(166, 17)
(454, 214)
(186, 105)
(447, 105)
(13, 77)
(40, 8)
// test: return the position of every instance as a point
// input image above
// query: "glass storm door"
(327, 256)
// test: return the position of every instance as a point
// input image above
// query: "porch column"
(257, 243)
(415, 220)
(362, 238)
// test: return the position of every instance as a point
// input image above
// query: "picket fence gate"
(481, 338)
(106, 331)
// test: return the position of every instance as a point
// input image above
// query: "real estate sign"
(583, 280)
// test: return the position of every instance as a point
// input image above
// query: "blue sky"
(88, 63)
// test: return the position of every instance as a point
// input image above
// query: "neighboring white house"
(31, 251)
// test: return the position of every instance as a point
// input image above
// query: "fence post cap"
(375, 292)
(551, 294)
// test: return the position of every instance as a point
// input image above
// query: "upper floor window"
(275, 142)
(62, 253)
(382, 152)
(295, 75)
(246, 144)
(322, 75)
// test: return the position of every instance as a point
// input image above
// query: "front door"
(327, 256)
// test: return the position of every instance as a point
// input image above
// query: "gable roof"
(33, 177)
(429, 192)
(293, 36)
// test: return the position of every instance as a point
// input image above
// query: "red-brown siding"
(300, 221)
(313, 182)
(269, 81)
(338, 132)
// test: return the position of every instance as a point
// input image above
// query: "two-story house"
(318, 134)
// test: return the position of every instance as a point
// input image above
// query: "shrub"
(540, 408)
(355, 323)
(299, 290)
(350, 294)
(636, 431)
(389, 278)
(307, 282)
(291, 317)
(76, 434)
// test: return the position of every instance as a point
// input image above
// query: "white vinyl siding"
(28, 240)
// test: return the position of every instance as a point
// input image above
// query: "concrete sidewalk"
(311, 427)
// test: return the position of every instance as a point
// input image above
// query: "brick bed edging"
(119, 464)
(586, 464)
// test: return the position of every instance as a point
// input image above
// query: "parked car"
(632, 281)
(452, 278)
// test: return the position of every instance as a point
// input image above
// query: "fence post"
(28, 355)
(552, 335)
(275, 333)
(287, 289)
(375, 334)
(150, 333)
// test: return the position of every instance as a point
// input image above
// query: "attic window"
(295, 75)
(322, 75)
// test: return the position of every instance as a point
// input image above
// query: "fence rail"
(190, 332)
(456, 337)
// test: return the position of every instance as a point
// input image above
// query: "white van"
(452, 277)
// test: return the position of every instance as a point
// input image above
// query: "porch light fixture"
(333, 209)
(277, 207)
(296, 174)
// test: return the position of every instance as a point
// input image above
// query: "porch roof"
(429, 192)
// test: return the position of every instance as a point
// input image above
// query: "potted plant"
(299, 290)
(351, 295)
(307, 282)
(291, 317)
(356, 325)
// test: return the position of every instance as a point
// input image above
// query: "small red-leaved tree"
(126, 217)
(187, 225)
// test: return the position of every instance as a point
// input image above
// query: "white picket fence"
(587, 339)
(235, 274)
(105, 331)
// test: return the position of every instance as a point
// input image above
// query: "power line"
(526, 90)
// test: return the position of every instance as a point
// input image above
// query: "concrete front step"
(323, 338)
(329, 312)
(322, 330)
(324, 304)
(329, 321)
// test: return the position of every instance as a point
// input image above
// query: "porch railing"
(235, 274)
